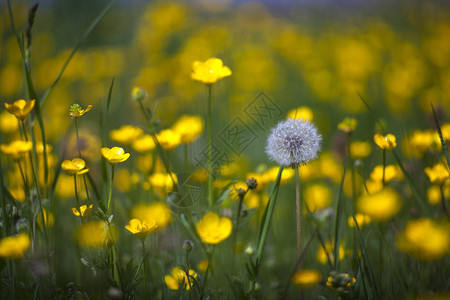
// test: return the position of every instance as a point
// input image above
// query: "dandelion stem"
(299, 214)
(209, 128)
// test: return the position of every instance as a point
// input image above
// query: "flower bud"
(252, 183)
(138, 94)
(187, 246)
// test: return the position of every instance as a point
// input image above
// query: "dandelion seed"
(293, 142)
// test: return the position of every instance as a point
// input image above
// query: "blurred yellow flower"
(438, 173)
(18, 194)
(125, 180)
(115, 155)
(317, 196)
(76, 111)
(390, 172)
(48, 218)
(169, 139)
(189, 128)
(144, 143)
(307, 278)
(302, 112)
(380, 206)
(445, 129)
(74, 166)
(126, 134)
(141, 228)
(65, 187)
(210, 71)
(16, 148)
(95, 234)
(159, 212)
(162, 182)
(8, 123)
(360, 218)
(84, 209)
(385, 142)
(203, 265)
(179, 279)
(270, 175)
(348, 125)
(322, 257)
(14, 247)
(423, 140)
(20, 108)
(425, 239)
(434, 194)
(360, 149)
(255, 200)
(213, 228)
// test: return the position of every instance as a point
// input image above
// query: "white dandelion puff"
(293, 142)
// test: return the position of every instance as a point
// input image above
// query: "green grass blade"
(337, 223)
(411, 184)
(267, 216)
(443, 143)
(75, 49)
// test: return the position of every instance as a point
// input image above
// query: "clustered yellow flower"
(114, 155)
(307, 278)
(425, 239)
(179, 279)
(84, 210)
(210, 71)
(380, 206)
(76, 111)
(213, 228)
(141, 228)
(390, 172)
(14, 247)
(75, 166)
(20, 108)
(387, 142)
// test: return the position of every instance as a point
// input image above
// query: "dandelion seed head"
(293, 142)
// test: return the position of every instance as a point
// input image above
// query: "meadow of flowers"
(224, 150)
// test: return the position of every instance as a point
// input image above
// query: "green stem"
(384, 167)
(209, 129)
(443, 200)
(188, 277)
(110, 190)
(238, 219)
(76, 197)
(79, 153)
(145, 268)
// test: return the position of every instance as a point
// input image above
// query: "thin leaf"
(443, 143)
(337, 222)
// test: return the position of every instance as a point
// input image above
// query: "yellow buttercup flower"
(169, 139)
(203, 265)
(210, 71)
(360, 149)
(144, 143)
(425, 239)
(74, 166)
(138, 93)
(126, 134)
(16, 148)
(302, 112)
(141, 228)
(84, 209)
(348, 125)
(322, 257)
(317, 196)
(307, 278)
(213, 229)
(438, 173)
(179, 279)
(8, 123)
(390, 172)
(270, 175)
(386, 142)
(360, 218)
(159, 212)
(14, 247)
(20, 108)
(189, 128)
(95, 234)
(380, 206)
(162, 182)
(434, 194)
(115, 155)
(76, 111)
